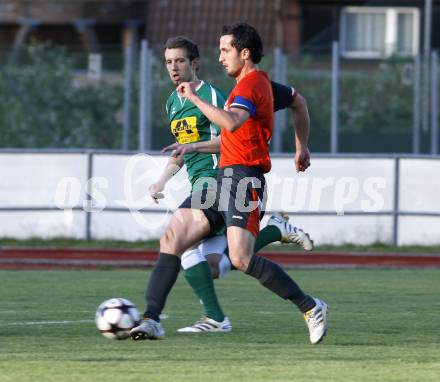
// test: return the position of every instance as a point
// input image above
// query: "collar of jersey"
(184, 100)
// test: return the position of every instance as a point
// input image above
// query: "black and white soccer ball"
(116, 317)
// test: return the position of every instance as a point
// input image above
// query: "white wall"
(30, 180)
(419, 191)
(333, 186)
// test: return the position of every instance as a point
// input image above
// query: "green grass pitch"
(383, 326)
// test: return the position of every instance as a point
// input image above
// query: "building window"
(379, 32)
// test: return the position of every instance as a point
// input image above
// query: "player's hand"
(302, 159)
(187, 90)
(178, 149)
(155, 191)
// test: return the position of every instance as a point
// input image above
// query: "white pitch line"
(48, 323)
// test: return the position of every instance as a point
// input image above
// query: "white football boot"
(290, 233)
(148, 329)
(208, 325)
(316, 320)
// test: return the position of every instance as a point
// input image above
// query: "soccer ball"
(116, 317)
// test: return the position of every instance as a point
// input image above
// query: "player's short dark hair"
(185, 43)
(245, 36)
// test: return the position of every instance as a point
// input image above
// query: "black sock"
(274, 278)
(162, 279)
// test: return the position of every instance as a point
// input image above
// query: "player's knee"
(213, 265)
(168, 242)
(240, 262)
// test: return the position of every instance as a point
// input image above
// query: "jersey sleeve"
(217, 99)
(283, 96)
(244, 97)
(221, 99)
(167, 106)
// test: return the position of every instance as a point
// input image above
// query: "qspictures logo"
(291, 193)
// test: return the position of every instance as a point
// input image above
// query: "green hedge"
(43, 106)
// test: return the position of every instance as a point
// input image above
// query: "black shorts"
(240, 198)
(204, 200)
(196, 199)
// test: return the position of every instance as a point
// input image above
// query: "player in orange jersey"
(246, 127)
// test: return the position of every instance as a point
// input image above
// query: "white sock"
(191, 257)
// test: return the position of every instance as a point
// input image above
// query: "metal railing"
(352, 101)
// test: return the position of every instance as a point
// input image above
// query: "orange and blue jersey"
(249, 144)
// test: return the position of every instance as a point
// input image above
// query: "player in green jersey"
(189, 125)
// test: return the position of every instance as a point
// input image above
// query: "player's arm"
(230, 119)
(172, 168)
(211, 147)
(301, 121)
(287, 97)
